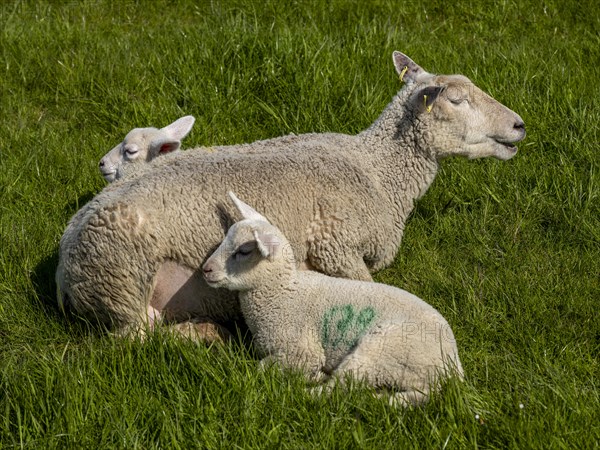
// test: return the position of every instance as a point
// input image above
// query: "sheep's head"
(455, 117)
(142, 145)
(252, 253)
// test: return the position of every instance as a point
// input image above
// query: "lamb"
(330, 327)
(142, 145)
(341, 200)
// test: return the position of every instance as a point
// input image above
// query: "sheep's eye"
(458, 101)
(245, 249)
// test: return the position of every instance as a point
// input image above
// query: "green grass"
(509, 252)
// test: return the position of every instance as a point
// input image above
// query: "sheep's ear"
(180, 128)
(407, 69)
(427, 96)
(268, 244)
(246, 211)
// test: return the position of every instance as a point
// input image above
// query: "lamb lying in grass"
(341, 200)
(330, 327)
(142, 145)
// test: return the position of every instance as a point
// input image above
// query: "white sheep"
(330, 327)
(341, 200)
(142, 145)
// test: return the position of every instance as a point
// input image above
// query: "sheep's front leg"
(354, 269)
(358, 270)
(331, 251)
(335, 243)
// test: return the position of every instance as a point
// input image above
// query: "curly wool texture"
(341, 200)
(331, 327)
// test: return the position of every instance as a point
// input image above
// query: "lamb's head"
(455, 117)
(253, 253)
(142, 145)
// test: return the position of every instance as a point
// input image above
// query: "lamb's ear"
(268, 244)
(164, 144)
(408, 70)
(246, 211)
(171, 136)
(426, 97)
(180, 128)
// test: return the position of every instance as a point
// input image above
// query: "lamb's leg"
(397, 399)
(197, 330)
(308, 361)
(202, 331)
(383, 360)
(407, 398)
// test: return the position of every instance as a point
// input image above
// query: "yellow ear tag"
(428, 108)
(403, 73)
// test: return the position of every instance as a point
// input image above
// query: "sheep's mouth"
(510, 144)
(502, 149)
(507, 145)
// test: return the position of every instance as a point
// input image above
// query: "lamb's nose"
(519, 125)
(101, 163)
(206, 269)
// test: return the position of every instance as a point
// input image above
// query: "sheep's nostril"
(101, 163)
(519, 125)
(206, 269)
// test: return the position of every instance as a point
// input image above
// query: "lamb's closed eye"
(245, 249)
(142, 145)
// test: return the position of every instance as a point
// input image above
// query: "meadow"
(508, 252)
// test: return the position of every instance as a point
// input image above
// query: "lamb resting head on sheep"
(142, 145)
(248, 243)
(331, 328)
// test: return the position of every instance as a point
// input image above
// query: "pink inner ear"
(168, 147)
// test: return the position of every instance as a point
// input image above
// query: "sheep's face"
(455, 117)
(463, 120)
(142, 145)
(248, 258)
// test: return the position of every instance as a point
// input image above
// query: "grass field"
(509, 252)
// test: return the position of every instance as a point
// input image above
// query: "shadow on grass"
(44, 284)
(43, 281)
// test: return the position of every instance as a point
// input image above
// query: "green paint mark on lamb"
(343, 325)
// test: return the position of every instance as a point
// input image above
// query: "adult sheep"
(133, 253)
